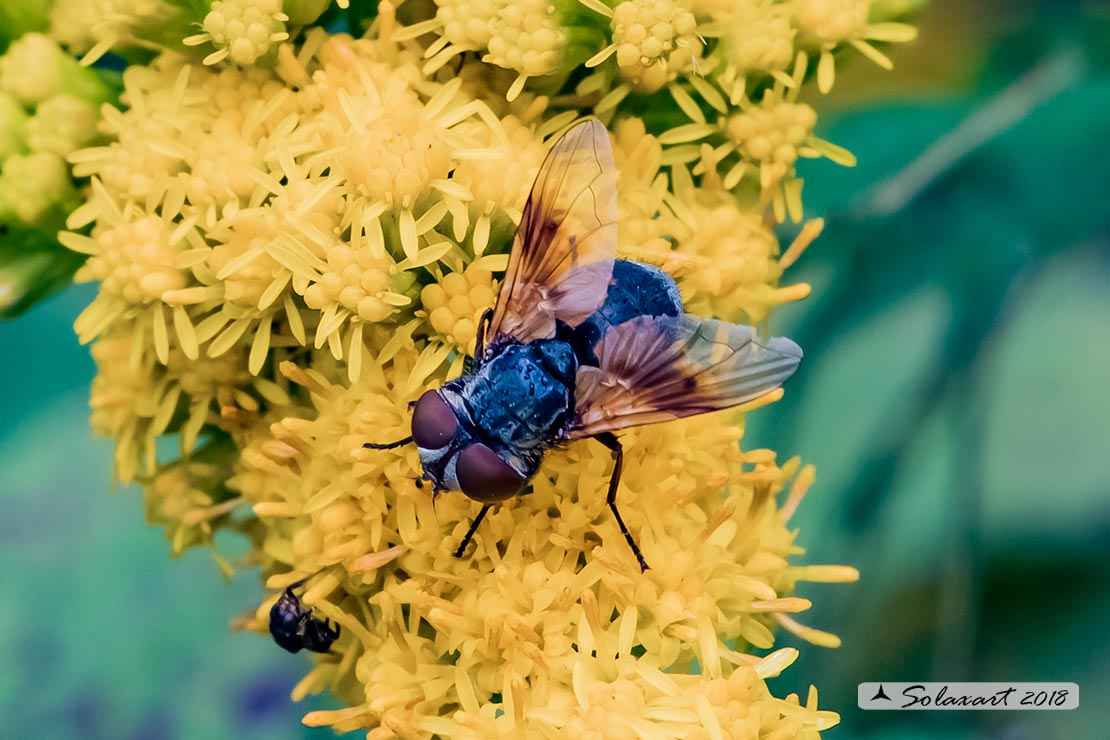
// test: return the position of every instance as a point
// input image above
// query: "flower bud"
(13, 123)
(35, 187)
(62, 124)
(35, 68)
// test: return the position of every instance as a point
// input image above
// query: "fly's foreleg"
(480, 342)
(610, 440)
(470, 532)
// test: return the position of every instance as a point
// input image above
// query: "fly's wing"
(563, 253)
(653, 369)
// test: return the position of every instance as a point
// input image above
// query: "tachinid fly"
(580, 344)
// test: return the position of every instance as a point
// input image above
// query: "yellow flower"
(653, 40)
(189, 500)
(766, 139)
(525, 37)
(550, 599)
(829, 23)
(758, 38)
(95, 27)
(241, 30)
(454, 305)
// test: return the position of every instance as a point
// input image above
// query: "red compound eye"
(485, 477)
(433, 422)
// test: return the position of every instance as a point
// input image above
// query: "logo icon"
(880, 694)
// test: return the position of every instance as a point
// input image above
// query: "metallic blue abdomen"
(521, 397)
(635, 290)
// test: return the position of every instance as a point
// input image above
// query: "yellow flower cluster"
(548, 629)
(710, 56)
(294, 234)
(95, 27)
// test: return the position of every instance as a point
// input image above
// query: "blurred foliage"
(953, 395)
(84, 658)
(33, 265)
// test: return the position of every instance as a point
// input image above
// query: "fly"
(580, 345)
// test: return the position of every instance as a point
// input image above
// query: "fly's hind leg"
(610, 440)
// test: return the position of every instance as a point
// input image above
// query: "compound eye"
(433, 422)
(485, 477)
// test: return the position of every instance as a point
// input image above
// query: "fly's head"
(453, 457)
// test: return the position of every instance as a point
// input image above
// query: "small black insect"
(580, 345)
(294, 628)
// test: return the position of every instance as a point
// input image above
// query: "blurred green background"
(954, 398)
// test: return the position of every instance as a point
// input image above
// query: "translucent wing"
(562, 256)
(655, 369)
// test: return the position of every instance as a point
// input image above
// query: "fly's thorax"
(522, 396)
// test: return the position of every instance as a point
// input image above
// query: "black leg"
(610, 440)
(483, 327)
(473, 528)
(388, 445)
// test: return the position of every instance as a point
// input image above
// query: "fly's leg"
(610, 440)
(388, 445)
(473, 528)
(480, 342)
(391, 445)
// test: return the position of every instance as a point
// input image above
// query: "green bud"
(35, 68)
(587, 32)
(405, 283)
(36, 189)
(62, 124)
(13, 125)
